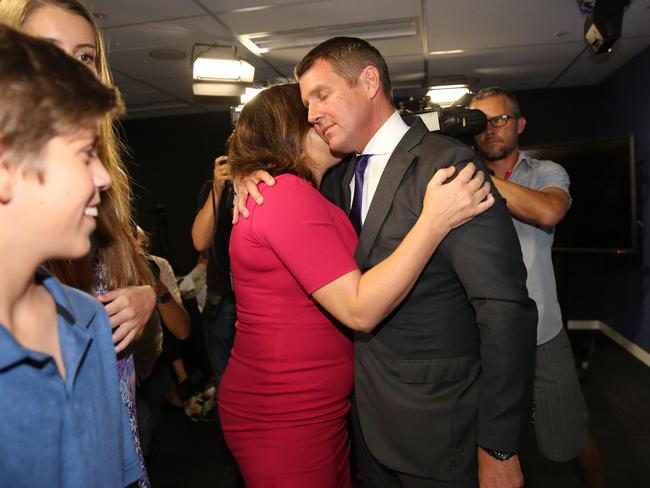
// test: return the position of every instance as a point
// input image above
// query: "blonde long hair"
(115, 242)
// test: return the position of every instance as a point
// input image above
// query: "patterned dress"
(126, 375)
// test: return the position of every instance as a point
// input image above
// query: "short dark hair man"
(537, 195)
(443, 385)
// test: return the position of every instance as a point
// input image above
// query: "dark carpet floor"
(616, 387)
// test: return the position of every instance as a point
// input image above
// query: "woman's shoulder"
(290, 196)
(291, 189)
(288, 180)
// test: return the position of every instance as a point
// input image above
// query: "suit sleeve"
(486, 257)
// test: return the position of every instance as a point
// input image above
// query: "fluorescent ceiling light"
(218, 63)
(218, 89)
(267, 41)
(223, 69)
(442, 53)
(446, 95)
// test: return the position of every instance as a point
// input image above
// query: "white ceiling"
(518, 44)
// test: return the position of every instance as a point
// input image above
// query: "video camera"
(456, 121)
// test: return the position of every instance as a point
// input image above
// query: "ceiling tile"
(506, 64)
(326, 13)
(471, 24)
(181, 33)
(137, 63)
(224, 6)
(590, 69)
(636, 19)
(120, 12)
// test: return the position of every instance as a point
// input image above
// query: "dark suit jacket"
(452, 366)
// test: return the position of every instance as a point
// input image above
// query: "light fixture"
(219, 63)
(206, 89)
(249, 94)
(444, 53)
(603, 26)
(217, 72)
(263, 42)
(446, 95)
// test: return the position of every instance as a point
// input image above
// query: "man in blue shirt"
(537, 195)
(63, 422)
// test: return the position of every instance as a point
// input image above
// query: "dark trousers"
(219, 328)
(150, 399)
(376, 475)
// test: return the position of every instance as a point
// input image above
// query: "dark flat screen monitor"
(602, 217)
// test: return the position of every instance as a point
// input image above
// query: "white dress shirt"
(381, 146)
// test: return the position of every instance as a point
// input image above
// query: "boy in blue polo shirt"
(62, 422)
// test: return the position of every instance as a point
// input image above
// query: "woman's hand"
(248, 186)
(454, 203)
(129, 309)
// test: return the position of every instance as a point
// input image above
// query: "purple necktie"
(355, 208)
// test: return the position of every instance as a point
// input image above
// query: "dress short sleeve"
(310, 236)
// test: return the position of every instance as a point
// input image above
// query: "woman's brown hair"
(114, 240)
(270, 133)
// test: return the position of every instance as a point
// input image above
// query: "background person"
(154, 362)
(211, 234)
(537, 195)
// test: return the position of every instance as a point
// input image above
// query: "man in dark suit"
(443, 385)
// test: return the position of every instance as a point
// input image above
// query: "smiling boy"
(63, 422)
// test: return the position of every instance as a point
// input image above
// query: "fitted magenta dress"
(286, 390)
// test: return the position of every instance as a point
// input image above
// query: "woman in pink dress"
(286, 390)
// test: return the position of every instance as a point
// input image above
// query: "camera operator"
(211, 232)
(537, 195)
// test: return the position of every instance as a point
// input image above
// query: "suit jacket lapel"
(390, 180)
(347, 178)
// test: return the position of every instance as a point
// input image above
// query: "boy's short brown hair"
(44, 93)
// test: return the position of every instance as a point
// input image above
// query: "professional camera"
(456, 121)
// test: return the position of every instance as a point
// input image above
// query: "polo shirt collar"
(523, 159)
(73, 321)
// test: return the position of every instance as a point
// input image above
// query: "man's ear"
(369, 79)
(8, 174)
(521, 124)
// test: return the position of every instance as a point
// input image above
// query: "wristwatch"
(164, 298)
(500, 455)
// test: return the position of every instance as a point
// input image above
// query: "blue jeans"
(219, 337)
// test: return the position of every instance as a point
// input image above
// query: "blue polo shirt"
(536, 242)
(65, 433)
